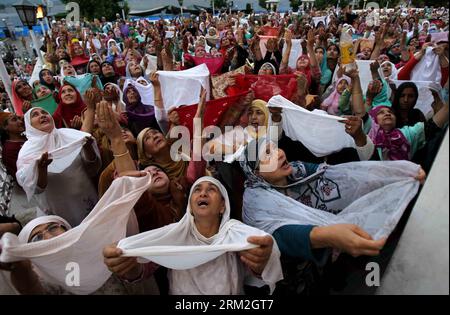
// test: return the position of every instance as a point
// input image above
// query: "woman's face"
(386, 119)
(68, 95)
(61, 53)
(332, 52)
(200, 52)
(24, 90)
(41, 120)
(160, 180)
(47, 77)
(266, 70)
(132, 96)
(69, 70)
(127, 136)
(342, 85)
(319, 55)
(94, 68)
(225, 42)
(154, 142)
(414, 42)
(302, 63)
(14, 125)
(256, 117)
(408, 99)
(273, 164)
(366, 51)
(207, 202)
(119, 63)
(151, 49)
(46, 231)
(212, 32)
(107, 70)
(78, 50)
(135, 69)
(43, 91)
(387, 69)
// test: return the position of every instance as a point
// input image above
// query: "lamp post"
(122, 5)
(180, 2)
(27, 14)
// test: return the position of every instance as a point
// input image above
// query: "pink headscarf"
(331, 103)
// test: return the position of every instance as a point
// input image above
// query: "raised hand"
(107, 121)
(154, 78)
(353, 126)
(92, 97)
(44, 161)
(26, 105)
(374, 66)
(76, 122)
(201, 104)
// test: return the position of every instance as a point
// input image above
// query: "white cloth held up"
(84, 243)
(321, 133)
(179, 246)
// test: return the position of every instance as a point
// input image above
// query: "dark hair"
(414, 114)
(335, 45)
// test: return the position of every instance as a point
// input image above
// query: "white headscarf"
(83, 244)
(145, 91)
(372, 195)
(394, 71)
(25, 233)
(63, 146)
(189, 254)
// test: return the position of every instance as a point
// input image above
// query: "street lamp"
(27, 14)
(122, 5)
(41, 12)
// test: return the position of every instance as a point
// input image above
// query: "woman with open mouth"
(59, 180)
(206, 225)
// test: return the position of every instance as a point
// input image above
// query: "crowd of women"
(338, 117)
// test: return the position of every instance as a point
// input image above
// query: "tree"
(97, 8)
(295, 4)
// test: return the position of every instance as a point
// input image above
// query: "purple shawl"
(394, 141)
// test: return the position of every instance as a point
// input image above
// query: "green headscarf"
(47, 102)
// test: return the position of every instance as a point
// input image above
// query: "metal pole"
(36, 46)
(7, 83)
(213, 8)
(123, 14)
(42, 27)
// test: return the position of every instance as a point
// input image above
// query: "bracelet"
(120, 155)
